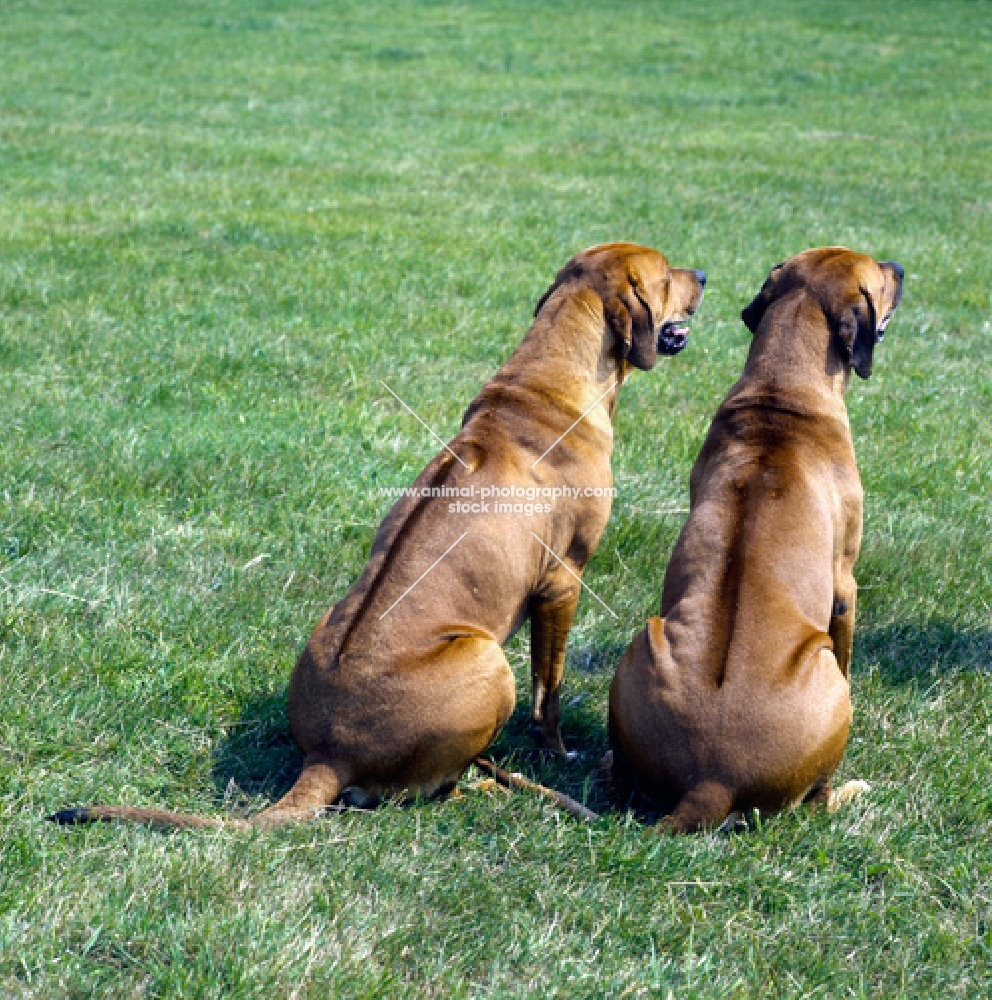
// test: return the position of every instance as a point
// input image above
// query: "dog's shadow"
(583, 722)
(259, 759)
(910, 652)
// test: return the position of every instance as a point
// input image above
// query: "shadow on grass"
(580, 776)
(907, 652)
(259, 754)
(583, 726)
(596, 659)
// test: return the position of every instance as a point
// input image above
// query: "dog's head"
(858, 296)
(646, 303)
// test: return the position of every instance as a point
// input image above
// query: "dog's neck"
(794, 351)
(571, 336)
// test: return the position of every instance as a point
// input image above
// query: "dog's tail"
(317, 787)
(514, 780)
(150, 817)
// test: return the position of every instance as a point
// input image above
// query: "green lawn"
(220, 226)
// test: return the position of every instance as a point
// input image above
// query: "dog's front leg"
(842, 622)
(845, 586)
(550, 620)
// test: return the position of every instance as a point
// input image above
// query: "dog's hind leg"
(704, 807)
(831, 799)
(317, 787)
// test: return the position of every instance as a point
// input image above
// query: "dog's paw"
(547, 741)
(847, 792)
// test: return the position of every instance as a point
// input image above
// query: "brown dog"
(404, 682)
(738, 697)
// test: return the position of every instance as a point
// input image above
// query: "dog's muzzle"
(673, 336)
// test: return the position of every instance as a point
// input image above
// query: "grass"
(220, 226)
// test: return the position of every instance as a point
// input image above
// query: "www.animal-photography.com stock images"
(495, 499)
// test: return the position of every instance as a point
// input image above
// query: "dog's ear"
(631, 316)
(571, 270)
(752, 313)
(619, 320)
(860, 316)
(544, 298)
(857, 335)
(856, 321)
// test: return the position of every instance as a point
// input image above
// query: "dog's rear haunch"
(404, 682)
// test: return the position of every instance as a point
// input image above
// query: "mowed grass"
(221, 225)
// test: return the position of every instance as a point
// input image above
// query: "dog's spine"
(397, 523)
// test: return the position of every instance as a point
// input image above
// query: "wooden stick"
(566, 802)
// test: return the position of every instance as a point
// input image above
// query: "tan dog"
(404, 682)
(738, 697)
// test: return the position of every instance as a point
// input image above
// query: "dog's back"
(756, 551)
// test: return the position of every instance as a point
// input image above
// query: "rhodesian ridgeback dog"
(737, 697)
(404, 682)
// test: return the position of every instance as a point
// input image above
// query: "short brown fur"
(737, 697)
